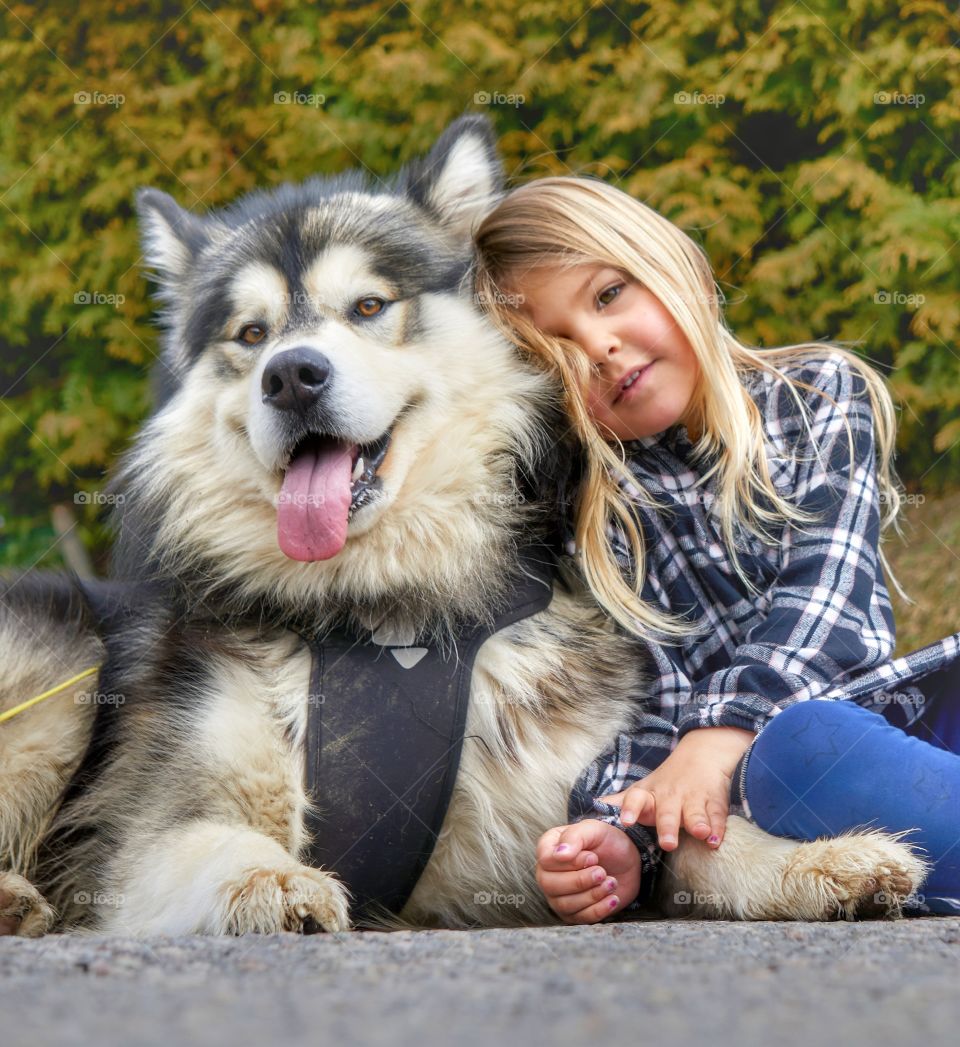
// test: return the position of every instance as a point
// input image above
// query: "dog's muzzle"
(294, 380)
(327, 478)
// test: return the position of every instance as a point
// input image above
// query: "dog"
(340, 438)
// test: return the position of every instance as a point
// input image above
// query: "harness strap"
(385, 730)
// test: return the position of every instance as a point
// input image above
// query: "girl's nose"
(600, 346)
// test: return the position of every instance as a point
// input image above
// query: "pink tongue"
(313, 503)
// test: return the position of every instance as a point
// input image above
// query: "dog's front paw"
(860, 874)
(23, 909)
(301, 899)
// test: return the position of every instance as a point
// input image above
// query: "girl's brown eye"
(369, 306)
(600, 296)
(251, 334)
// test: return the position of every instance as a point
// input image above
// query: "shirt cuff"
(643, 837)
(751, 713)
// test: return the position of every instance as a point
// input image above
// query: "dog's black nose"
(294, 379)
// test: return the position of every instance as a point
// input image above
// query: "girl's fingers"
(547, 845)
(705, 820)
(547, 842)
(668, 823)
(696, 822)
(563, 863)
(639, 805)
(564, 848)
(596, 912)
(570, 907)
(557, 884)
(717, 814)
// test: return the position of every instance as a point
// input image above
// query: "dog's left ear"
(461, 178)
(171, 237)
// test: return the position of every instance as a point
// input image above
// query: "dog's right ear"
(461, 178)
(171, 237)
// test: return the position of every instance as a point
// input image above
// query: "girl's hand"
(690, 789)
(587, 871)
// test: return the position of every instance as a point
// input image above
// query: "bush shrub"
(812, 147)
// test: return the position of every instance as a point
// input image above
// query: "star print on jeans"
(825, 733)
(933, 787)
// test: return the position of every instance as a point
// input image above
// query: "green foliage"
(802, 157)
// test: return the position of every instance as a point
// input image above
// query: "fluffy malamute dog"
(340, 439)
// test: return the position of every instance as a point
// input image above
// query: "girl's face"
(645, 371)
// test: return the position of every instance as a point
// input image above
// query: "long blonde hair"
(569, 221)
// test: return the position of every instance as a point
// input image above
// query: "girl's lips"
(640, 379)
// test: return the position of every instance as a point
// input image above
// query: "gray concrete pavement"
(636, 983)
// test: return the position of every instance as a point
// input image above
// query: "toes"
(311, 926)
(585, 859)
(302, 901)
(596, 912)
(556, 885)
(23, 909)
(570, 904)
(317, 903)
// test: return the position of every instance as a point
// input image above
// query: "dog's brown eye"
(369, 306)
(252, 333)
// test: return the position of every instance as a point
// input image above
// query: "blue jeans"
(820, 768)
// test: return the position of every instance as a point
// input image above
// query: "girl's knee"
(805, 728)
(805, 753)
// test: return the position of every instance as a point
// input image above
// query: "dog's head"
(329, 392)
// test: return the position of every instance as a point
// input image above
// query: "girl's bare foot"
(588, 870)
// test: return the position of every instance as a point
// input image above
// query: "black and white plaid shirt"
(821, 626)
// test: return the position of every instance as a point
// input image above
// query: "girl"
(726, 508)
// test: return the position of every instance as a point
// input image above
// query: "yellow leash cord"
(47, 694)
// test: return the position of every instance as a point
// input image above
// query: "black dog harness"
(385, 730)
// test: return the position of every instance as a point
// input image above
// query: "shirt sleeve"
(828, 611)
(611, 773)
